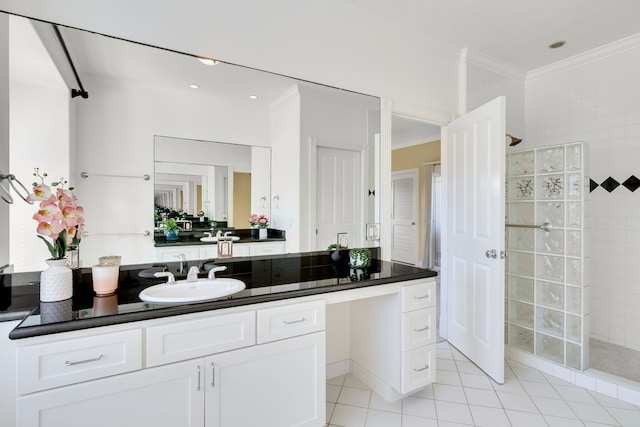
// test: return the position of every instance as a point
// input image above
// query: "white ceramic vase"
(262, 233)
(56, 282)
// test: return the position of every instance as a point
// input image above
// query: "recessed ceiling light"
(207, 61)
(194, 86)
(557, 44)
(253, 96)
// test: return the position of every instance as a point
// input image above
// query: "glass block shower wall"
(545, 311)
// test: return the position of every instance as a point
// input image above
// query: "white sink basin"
(183, 292)
(214, 239)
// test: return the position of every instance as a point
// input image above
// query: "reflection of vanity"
(193, 248)
(273, 346)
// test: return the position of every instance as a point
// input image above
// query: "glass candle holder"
(105, 278)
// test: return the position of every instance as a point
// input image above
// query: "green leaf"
(52, 250)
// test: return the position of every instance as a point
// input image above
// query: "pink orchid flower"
(48, 212)
(40, 192)
(64, 196)
(51, 229)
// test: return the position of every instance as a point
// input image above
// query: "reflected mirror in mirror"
(211, 182)
(137, 93)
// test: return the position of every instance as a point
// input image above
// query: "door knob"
(491, 253)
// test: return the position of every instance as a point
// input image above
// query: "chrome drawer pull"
(421, 369)
(422, 297)
(79, 362)
(198, 377)
(294, 321)
(422, 329)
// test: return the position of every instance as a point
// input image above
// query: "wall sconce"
(263, 200)
(276, 201)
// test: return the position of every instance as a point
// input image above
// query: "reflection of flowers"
(259, 221)
(59, 217)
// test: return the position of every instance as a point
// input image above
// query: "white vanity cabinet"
(393, 340)
(162, 396)
(202, 369)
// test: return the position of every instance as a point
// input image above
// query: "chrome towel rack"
(546, 226)
(87, 175)
(20, 191)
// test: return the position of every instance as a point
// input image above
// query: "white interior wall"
(39, 102)
(286, 167)
(485, 80)
(596, 99)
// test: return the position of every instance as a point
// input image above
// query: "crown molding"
(468, 56)
(587, 57)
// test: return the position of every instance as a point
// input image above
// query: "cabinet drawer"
(55, 364)
(188, 339)
(290, 320)
(416, 328)
(420, 295)
(266, 248)
(417, 368)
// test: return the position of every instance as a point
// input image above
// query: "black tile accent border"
(632, 184)
(609, 184)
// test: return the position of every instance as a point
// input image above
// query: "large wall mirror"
(303, 141)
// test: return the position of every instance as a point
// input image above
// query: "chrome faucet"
(168, 274)
(192, 275)
(214, 270)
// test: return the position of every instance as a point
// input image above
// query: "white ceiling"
(514, 32)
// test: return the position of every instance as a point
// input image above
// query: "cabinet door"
(170, 396)
(277, 384)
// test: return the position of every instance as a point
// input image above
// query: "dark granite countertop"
(267, 278)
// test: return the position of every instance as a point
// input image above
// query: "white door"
(338, 196)
(473, 153)
(404, 216)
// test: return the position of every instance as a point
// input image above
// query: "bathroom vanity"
(259, 357)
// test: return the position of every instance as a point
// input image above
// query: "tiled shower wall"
(596, 99)
(545, 311)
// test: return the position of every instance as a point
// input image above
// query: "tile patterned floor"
(464, 396)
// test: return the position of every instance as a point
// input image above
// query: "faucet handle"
(214, 270)
(168, 274)
(192, 275)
